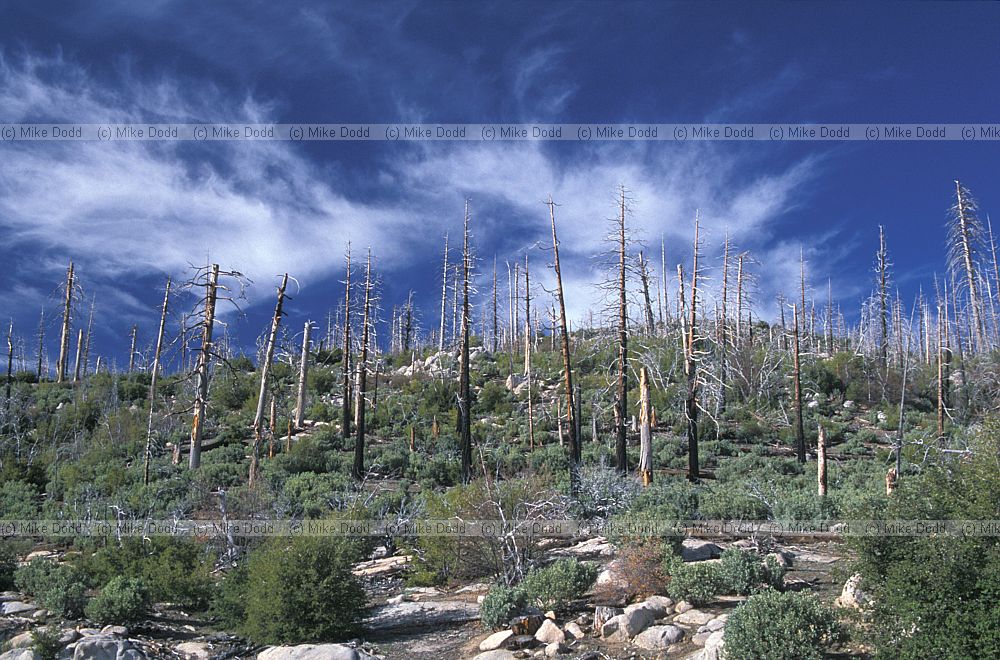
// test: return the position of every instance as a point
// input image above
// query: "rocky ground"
(431, 624)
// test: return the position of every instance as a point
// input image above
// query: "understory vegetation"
(627, 426)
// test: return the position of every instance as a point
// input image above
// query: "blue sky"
(131, 213)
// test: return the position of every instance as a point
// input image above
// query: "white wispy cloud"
(130, 209)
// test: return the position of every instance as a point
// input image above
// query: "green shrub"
(742, 572)
(8, 564)
(171, 569)
(562, 581)
(780, 626)
(698, 582)
(123, 600)
(56, 587)
(229, 597)
(501, 604)
(45, 642)
(302, 590)
(18, 500)
(937, 595)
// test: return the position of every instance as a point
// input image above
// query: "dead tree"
(358, 470)
(79, 354)
(800, 438)
(62, 364)
(464, 394)
(300, 399)
(345, 420)
(444, 295)
(821, 460)
(691, 366)
(86, 339)
(265, 372)
(943, 358)
(665, 312)
(621, 395)
(722, 339)
(644, 278)
(645, 430)
(882, 273)
(204, 361)
(574, 446)
(10, 366)
(965, 237)
(407, 331)
(131, 350)
(152, 384)
(41, 342)
(527, 350)
(495, 325)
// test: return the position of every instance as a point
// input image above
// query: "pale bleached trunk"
(204, 360)
(645, 430)
(265, 373)
(64, 339)
(300, 400)
(153, 379)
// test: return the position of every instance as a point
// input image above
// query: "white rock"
(499, 654)
(603, 614)
(627, 625)
(713, 646)
(101, 647)
(852, 596)
(718, 623)
(694, 618)
(497, 640)
(21, 654)
(549, 632)
(17, 607)
(119, 631)
(314, 652)
(657, 638)
(555, 648)
(194, 650)
(683, 607)
(695, 550)
(573, 629)
(21, 641)
(660, 606)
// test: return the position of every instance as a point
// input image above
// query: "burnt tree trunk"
(358, 470)
(464, 395)
(574, 446)
(800, 439)
(62, 364)
(204, 360)
(621, 396)
(691, 369)
(300, 399)
(265, 372)
(645, 430)
(154, 377)
(345, 419)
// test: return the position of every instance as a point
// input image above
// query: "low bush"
(780, 626)
(123, 600)
(562, 581)
(59, 588)
(302, 590)
(742, 572)
(45, 642)
(8, 564)
(171, 569)
(501, 604)
(698, 583)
